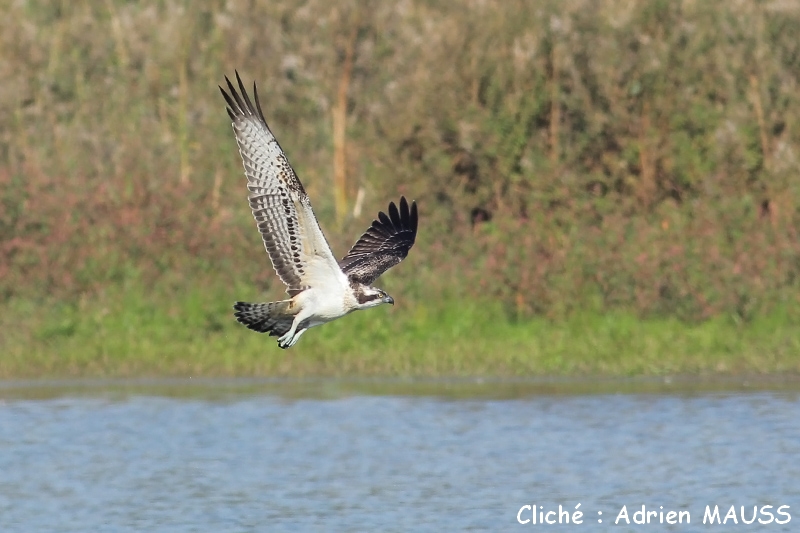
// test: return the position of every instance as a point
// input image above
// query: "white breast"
(326, 301)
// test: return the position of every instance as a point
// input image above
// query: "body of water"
(319, 456)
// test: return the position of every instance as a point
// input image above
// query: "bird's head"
(371, 296)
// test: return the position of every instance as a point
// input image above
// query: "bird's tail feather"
(273, 317)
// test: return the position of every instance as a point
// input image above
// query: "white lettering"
(765, 512)
(641, 513)
(519, 514)
(680, 517)
(710, 517)
(731, 514)
(577, 516)
(755, 513)
(548, 519)
(782, 512)
(671, 517)
(623, 513)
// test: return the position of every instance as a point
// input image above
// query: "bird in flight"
(321, 289)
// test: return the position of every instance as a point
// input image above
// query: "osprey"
(321, 288)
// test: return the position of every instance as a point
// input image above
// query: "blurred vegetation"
(127, 332)
(571, 156)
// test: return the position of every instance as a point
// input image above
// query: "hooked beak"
(388, 299)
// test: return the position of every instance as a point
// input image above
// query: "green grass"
(130, 331)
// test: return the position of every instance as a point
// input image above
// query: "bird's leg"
(296, 338)
(285, 340)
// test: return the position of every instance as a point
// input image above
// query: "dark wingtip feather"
(247, 102)
(394, 216)
(404, 217)
(403, 208)
(258, 103)
(224, 94)
(239, 82)
(228, 100)
(237, 106)
(239, 102)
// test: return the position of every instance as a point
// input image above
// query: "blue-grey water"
(325, 458)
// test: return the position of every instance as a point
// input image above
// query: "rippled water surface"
(320, 456)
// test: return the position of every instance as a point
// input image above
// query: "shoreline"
(444, 388)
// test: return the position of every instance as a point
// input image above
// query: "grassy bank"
(618, 178)
(128, 333)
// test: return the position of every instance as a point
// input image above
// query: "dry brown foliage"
(638, 155)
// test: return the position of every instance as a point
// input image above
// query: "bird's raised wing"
(383, 245)
(294, 241)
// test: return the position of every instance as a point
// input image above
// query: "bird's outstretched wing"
(294, 241)
(383, 245)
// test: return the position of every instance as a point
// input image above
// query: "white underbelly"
(322, 305)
